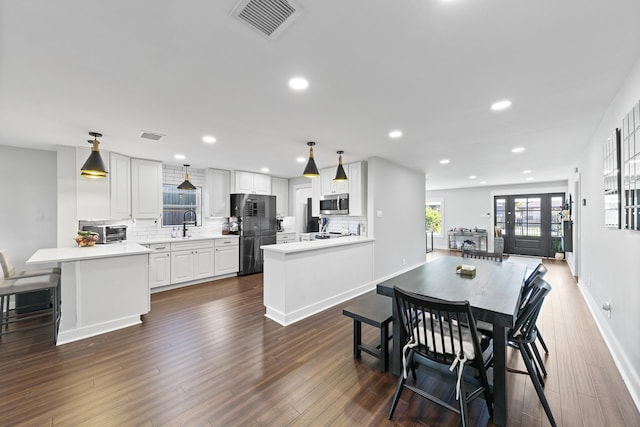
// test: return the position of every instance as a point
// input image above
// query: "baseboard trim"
(629, 375)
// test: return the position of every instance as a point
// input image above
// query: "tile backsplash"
(338, 222)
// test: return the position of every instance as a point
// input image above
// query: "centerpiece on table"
(86, 238)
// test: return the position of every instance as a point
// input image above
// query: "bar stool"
(11, 273)
(13, 287)
(374, 310)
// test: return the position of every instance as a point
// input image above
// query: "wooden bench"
(374, 310)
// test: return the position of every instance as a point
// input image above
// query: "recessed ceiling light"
(530, 178)
(472, 177)
(501, 105)
(395, 134)
(517, 150)
(179, 157)
(483, 182)
(301, 160)
(526, 171)
(444, 161)
(298, 83)
(208, 139)
(265, 169)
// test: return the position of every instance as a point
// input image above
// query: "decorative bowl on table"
(86, 238)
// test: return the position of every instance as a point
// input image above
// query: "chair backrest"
(472, 253)
(5, 263)
(539, 271)
(524, 329)
(439, 329)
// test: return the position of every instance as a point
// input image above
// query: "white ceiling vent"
(152, 136)
(267, 17)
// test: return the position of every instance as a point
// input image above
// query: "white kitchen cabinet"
(253, 183)
(203, 263)
(92, 193)
(285, 237)
(227, 256)
(120, 186)
(357, 188)
(329, 186)
(159, 265)
(218, 186)
(191, 260)
(146, 189)
(280, 189)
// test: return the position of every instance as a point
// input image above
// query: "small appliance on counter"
(108, 233)
(279, 220)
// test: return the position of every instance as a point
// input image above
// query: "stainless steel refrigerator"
(257, 223)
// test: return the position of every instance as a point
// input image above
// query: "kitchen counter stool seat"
(374, 310)
(9, 271)
(13, 287)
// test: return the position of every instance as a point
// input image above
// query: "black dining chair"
(524, 334)
(473, 253)
(441, 336)
(539, 271)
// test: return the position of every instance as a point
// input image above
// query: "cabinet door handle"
(161, 247)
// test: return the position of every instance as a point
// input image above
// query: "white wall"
(28, 209)
(396, 216)
(609, 267)
(473, 207)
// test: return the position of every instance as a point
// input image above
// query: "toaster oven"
(108, 233)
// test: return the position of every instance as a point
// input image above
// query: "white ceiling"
(431, 68)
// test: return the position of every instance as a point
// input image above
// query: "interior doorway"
(531, 224)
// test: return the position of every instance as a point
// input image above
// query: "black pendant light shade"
(94, 166)
(340, 174)
(186, 184)
(311, 171)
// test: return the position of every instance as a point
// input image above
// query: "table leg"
(398, 337)
(499, 375)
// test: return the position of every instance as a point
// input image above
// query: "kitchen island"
(103, 287)
(304, 278)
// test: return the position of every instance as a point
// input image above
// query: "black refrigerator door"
(267, 214)
(250, 255)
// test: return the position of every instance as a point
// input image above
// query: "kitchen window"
(176, 202)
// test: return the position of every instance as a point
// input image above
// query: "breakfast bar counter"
(103, 287)
(304, 278)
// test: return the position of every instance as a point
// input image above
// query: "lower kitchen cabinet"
(191, 260)
(283, 237)
(159, 265)
(227, 256)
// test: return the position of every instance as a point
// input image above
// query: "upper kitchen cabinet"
(120, 186)
(218, 189)
(255, 183)
(357, 174)
(280, 189)
(92, 194)
(329, 186)
(146, 189)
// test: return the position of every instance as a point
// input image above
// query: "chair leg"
(528, 362)
(464, 411)
(396, 395)
(384, 347)
(536, 353)
(542, 343)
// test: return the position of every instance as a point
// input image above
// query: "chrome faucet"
(194, 221)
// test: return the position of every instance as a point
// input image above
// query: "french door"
(531, 223)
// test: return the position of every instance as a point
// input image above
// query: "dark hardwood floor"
(206, 355)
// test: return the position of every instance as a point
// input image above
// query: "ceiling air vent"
(152, 136)
(267, 17)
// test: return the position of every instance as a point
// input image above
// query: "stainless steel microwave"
(108, 233)
(335, 204)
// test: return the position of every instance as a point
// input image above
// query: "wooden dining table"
(494, 296)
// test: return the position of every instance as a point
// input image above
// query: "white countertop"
(313, 245)
(51, 255)
(152, 240)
